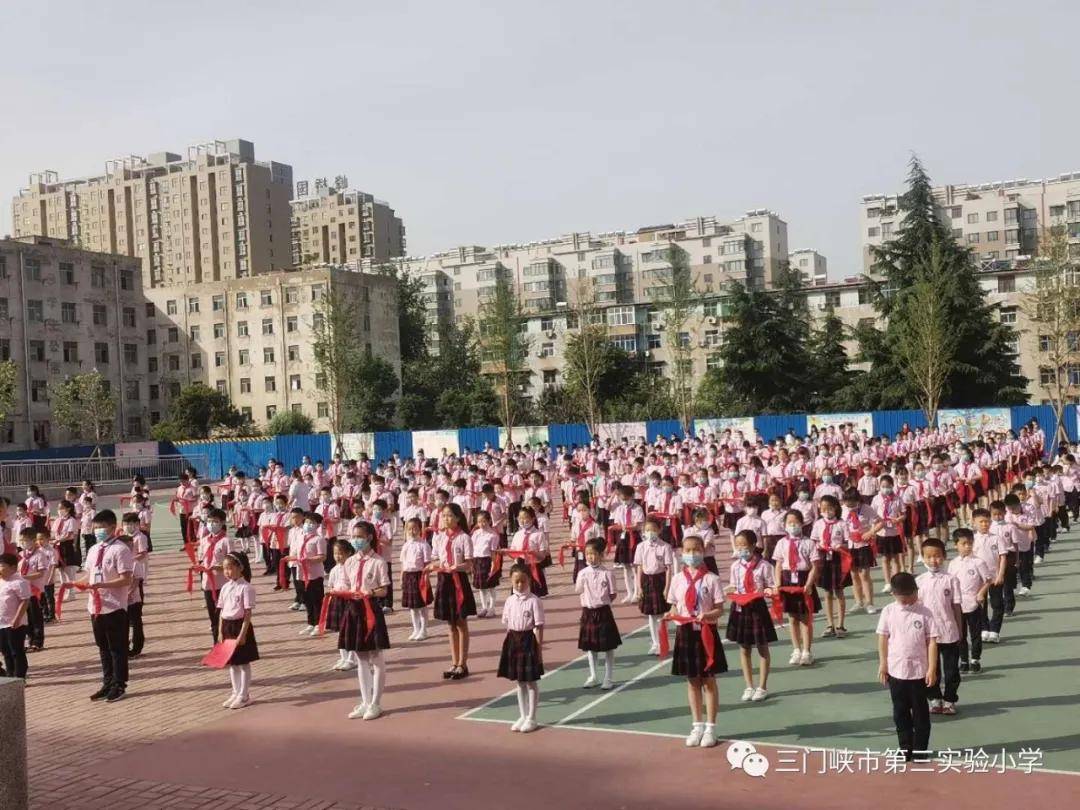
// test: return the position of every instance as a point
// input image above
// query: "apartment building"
(1000, 221)
(812, 266)
(335, 226)
(212, 215)
(67, 311)
(252, 338)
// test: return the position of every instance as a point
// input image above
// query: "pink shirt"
(235, 597)
(523, 612)
(13, 592)
(595, 586)
(762, 576)
(106, 561)
(369, 569)
(451, 553)
(806, 554)
(858, 522)
(312, 545)
(909, 629)
(654, 556)
(889, 508)
(484, 542)
(754, 524)
(211, 554)
(989, 548)
(710, 592)
(627, 515)
(836, 531)
(415, 554)
(971, 572)
(939, 591)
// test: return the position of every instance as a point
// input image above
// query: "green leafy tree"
(678, 303)
(368, 404)
(85, 406)
(829, 363)
(412, 312)
(588, 357)
(9, 375)
(504, 350)
(557, 405)
(645, 395)
(196, 413)
(287, 423)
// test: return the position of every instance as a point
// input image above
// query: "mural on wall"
(434, 442)
(861, 421)
(705, 427)
(617, 431)
(531, 435)
(970, 422)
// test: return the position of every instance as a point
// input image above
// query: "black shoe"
(102, 692)
(975, 666)
(461, 672)
(134, 653)
(964, 667)
(115, 694)
(448, 674)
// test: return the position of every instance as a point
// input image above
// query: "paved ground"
(170, 744)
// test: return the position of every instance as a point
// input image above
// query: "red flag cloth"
(807, 596)
(707, 640)
(282, 575)
(531, 557)
(369, 610)
(274, 533)
(220, 654)
(425, 587)
(95, 597)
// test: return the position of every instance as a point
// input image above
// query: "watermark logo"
(745, 757)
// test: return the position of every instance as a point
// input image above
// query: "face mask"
(650, 535)
(361, 544)
(793, 531)
(693, 560)
(1029, 484)
(931, 566)
(703, 479)
(668, 489)
(920, 475)
(733, 475)
(804, 496)
(215, 527)
(751, 510)
(594, 564)
(309, 526)
(826, 479)
(702, 526)
(376, 513)
(101, 535)
(745, 554)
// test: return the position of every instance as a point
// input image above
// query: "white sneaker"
(693, 740)
(886, 588)
(1023, 591)
(985, 635)
(518, 724)
(806, 658)
(228, 702)
(994, 638)
(374, 712)
(338, 666)
(855, 608)
(306, 630)
(590, 682)
(350, 664)
(422, 637)
(1038, 560)
(606, 685)
(871, 609)
(296, 606)
(759, 694)
(708, 740)
(935, 705)
(626, 600)
(747, 693)
(528, 725)
(240, 702)
(358, 711)
(654, 649)
(412, 636)
(796, 657)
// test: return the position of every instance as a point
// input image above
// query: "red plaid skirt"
(354, 629)
(520, 658)
(689, 660)
(750, 625)
(411, 598)
(794, 603)
(863, 557)
(598, 632)
(446, 607)
(830, 573)
(653, 602)
(481, 574)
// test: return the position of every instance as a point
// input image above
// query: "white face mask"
(650, 535)
(794, 531)
(930, 566)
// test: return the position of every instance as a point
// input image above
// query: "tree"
(368, 402)
(287, 423)
(85, 406)
(828, 363)
(504, 349)
(557, 405)
(412, 312)
(337, 342)
(645, 395)
(983, 368)
(9, 375)
(1052, 307)
(587, 358)
(926, 344)
(196, 413)
(678, 303)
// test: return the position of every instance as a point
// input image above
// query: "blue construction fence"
(214, 457)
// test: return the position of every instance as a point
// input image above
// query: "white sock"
(245, 681)
(490, 598)
(234, 678)
(343, 656)
(363, 674)
(414, 615)
(627, 581)
(423, 620)
(533, 697)
(654, 629)
(67, 573)
(378, 664)
(592, 664)
(523, 700)
(710, 728)
(609, 665)
(699, 726)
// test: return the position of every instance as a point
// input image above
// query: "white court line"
(612, 693)
(504, 695)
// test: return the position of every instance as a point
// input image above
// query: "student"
(235, 603)
(907, 663)
(109, 566)
(140, 552)
(51, 556)
(295, 537)
(833, 539)
(530, 539)
(1022, 514)
(654, 562)
(341, 549)
(626, 520)
(310, 553)
(939, 591)
(522, 659)
(862, 524)
(750, 625)
(65, 532)
(384, 542)
(696, 596)
(485, 544)
(210, 552)
(454, 601)
(415, 558)
(1002, 595)
(889, 507)
(598, 633)
(974, 578)
(32, 567)
(702, 527)
(797, 564)
(583, 528)
(14, 601)
(774, 526)
(363, 627)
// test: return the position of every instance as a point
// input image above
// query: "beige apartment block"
(812, 266)
(213, 215)
(67, 311)
(333, 226)
(1000, 222)
(252, 338)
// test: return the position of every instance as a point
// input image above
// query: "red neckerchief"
(826, 534)
(667, 502)
(450, 535)
(691, 587)
(360, 573)
(583, 530)
(853, 519)
(701, 492)
(748, 577)
(208, 560)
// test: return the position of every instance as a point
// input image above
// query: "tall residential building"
(334, 226)
(811, 265)
(252, 338)
(213, 215)
(66, 311)
(999, 221)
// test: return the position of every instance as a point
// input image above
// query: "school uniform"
(13, 592)
(1001, 599)
(140, 544)
(35, 562)
(235, 597)
(939, 591)
(858, 521)
(520, 659)
(627, 515)
(335, 581)
(415, 555)
(971, 573)
(312, 571)
(68, 529)
(532, 540)
(751, 625)
(581, 533)
(692, 593)
(210, 553)
(655, 559)
(364, 630)
(708, 539)
(795, 556)
(890, 508)
(831, 536)
(595, 587)
(774, 530)
(1024, 538)
(484, 543)
(451, 551)
(108, 612)
(909, 629)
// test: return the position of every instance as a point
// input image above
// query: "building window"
(127, 280)
(291, 323)
(196, 360)
(71, 351)
(547, 350)
(268, 354)
(973, 238)
(128, 315)
(33, 269)
(270, 384)
(170, 307)
(268, 326)
(151, 337)
(217, 303)
(292, 295)
(100, 315)
(241, 300)
(193, 305)
(320, 380)
(317, 322)
(245, 357)
(174, 362)
(150, 310)
(956, 212)
(1045, 342)
(131, 390)
(620, 316)
(991, 236)
(652, 341)
(293, 353)
(628, 343)
(317, 291)
(194, 333)
(219, 331)
(886, 229)
(972, 219)
(39, 391)
(991, 216)
(266, 298)
(271, 412)
(173, 334)
(219, 359)
(322, 410)
(155, 394)
(101, 353)
(37, 350)
(131, 354)
(245, 385)
(1006, 284)
(1008, 315)
(294, 382)
(221, 386)
(241, 329)
(151, 365)
(832, 299)
(1010, 216)
(67, 273)
(69, 313)
(873, 232)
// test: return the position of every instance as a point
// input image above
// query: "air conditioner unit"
(712, 321)
(660, 327)
(702, 344)
(551, 333)
(822, 307)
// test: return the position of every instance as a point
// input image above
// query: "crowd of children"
(795, 517)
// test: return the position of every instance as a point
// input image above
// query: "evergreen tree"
(829, 363)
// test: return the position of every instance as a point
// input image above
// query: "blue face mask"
(101, 535)
(361, 544)
(693, 560)
(745, 554)
(826, 479)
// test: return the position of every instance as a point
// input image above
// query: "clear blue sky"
(500, 122)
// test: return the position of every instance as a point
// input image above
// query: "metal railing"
(99, 469)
